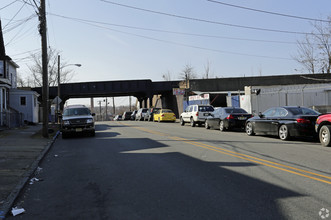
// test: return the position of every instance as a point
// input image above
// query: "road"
(146, 170)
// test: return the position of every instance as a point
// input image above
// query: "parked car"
(323, 129)
(118, 118)
(149, 114)
(227, 118)
(285, 122)
(133, 115)
(77, 119)
(195, 114)
(164, 115)
(141, 114)
(126, 115)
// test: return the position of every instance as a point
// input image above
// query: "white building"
(25, 102)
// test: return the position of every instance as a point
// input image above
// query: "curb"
(5, 208)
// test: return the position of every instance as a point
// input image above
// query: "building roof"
(2, 45)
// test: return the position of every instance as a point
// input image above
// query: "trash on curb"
(33, 180)
(16, 211)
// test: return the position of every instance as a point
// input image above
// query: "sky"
(146, 39)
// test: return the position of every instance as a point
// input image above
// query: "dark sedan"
(285, 122)
(227, 118)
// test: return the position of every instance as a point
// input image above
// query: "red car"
(323, 129)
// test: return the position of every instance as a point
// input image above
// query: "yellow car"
(164, 115)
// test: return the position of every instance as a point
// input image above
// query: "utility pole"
(106, 100)
(58, 89)
(113, 106)
(100, 110)
(45, 91)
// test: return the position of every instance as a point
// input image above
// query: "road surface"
(148, 170)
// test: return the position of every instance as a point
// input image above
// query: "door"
(263, 124)
(276, 119)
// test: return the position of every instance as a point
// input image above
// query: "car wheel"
(324, 135)
(207, 125)
(283, 132)
(182, 123)
(192, 122)
(249, 129)
(64, 135)
(222, 128)
(92, 133)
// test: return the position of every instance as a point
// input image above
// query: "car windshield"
(302, 111)
(166, 111)
(76, 111)
(235, 110)
(206, 108)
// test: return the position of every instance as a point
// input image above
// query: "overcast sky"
(145, 39)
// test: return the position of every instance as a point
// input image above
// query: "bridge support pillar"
(140, 100)
(150, 99)
(145, 102)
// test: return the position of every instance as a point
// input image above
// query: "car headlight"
(89, 121)
(66, 122)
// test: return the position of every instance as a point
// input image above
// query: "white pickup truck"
(195, 114)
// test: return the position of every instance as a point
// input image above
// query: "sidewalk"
(20, 153)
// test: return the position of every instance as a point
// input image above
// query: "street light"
(59, 82)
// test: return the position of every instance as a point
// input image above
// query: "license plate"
(206, 114)
(79, 129)
(242, 118)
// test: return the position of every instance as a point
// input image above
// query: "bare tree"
(307, 54)
(167, 76)
(188, 73)
(207, 74)
(323, 39)
(36, 69)
(314, 51)
(21, 82)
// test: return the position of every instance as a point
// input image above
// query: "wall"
(239, 83)
(308, 95)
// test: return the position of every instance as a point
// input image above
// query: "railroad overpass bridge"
(143, 90)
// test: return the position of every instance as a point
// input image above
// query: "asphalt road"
(145, 170)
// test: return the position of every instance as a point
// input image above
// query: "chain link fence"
(11, 119)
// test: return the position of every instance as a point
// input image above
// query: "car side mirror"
(261, 115)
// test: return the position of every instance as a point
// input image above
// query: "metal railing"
(11, 119)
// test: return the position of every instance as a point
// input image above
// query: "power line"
(172, 32)
(8, 5)
(14, 15)
(205, 21)
(268, 12)
(18, 23)
(30, 51)
(186, 45)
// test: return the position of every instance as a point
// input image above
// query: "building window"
(23, 100)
